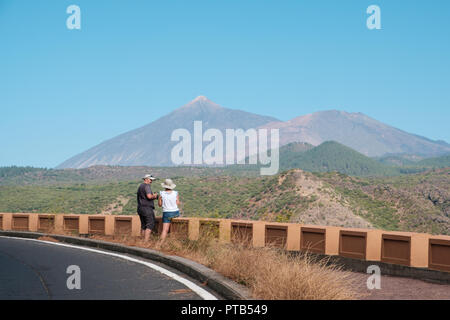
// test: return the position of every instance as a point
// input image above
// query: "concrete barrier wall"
(402, 248)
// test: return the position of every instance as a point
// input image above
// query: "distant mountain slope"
(333, 156)
(328, 157)
(438, 162)
(14, 171)
(406, 161)
(357, 131)
(398, 160)
(151, 144)
(291, 150)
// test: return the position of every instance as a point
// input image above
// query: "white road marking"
(205, 295)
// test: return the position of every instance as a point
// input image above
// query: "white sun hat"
(148, 176)
(168, 184)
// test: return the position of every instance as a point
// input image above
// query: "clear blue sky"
(63, 91)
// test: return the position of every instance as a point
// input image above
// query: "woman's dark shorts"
(147, 216)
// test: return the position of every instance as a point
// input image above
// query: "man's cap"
(149, 176)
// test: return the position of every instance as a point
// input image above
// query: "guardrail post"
(332, 240)
(7, 221)
(259, 234)
(419, 250)
(84, 224)
(373, 245)
(293, 237)
(33, 220)
(109, 225)
(59, 223)
(193, 228)
(225, 231)
(135, 226)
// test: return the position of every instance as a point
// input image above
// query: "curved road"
(31, 269)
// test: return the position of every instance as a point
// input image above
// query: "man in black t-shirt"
(145, 206)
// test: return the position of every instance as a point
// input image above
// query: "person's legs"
(166, 220)
(141, 217)
(148, 222)
(147, 233)
(165, 230)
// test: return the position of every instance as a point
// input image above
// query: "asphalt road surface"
(38, 270)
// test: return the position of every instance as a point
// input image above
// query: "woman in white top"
(169, 201)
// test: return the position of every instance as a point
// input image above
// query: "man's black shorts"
(147, 216)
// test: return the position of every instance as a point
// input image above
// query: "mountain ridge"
(151, 144)
(357, 131)
(138, 147)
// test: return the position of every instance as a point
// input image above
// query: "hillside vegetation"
(333, 156)
(104, 174)
(418, 202)
(404, 162)
(438, 162)
(328, 157)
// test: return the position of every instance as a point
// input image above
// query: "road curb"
(223, 286)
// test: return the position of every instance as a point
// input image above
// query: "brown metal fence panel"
(71, 224)
(396, 249)
(20, 223)
(1, 222)
(180, 228)
(122, 226)
(242, 232)
(46, 223)
(209, 229)
(276, 236)
(158, 225)
(312, 239)
(352, 244)
(439, 254)
(97, 225)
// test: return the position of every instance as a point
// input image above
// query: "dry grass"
(47, 238)
(273, 274)
(268, 272)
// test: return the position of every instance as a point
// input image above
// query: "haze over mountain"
(151, 144)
